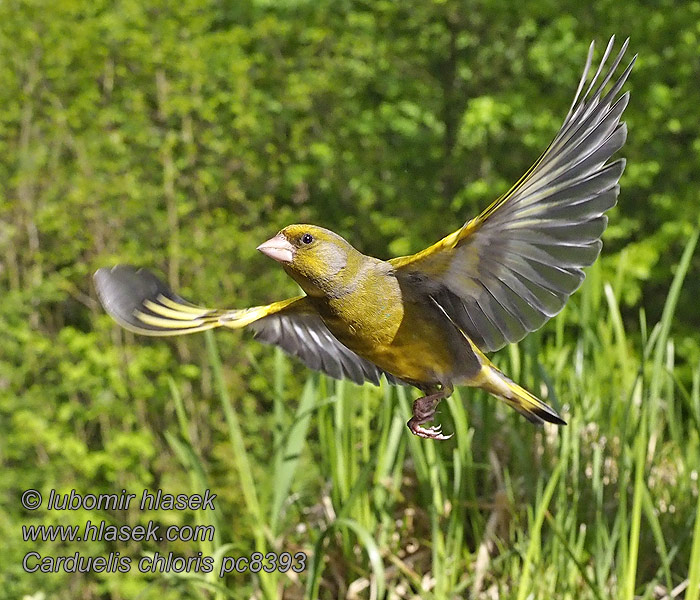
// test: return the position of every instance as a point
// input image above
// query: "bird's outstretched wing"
(142, 303)
(504, 273)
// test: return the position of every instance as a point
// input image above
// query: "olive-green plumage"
(376, 311)
(427, 319)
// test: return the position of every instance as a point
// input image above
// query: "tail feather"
(532, 408)
(517, 397)
(497, 383)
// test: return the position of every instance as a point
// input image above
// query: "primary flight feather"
(427, 319)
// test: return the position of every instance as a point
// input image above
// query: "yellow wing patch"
(142, 303)
(176, 318)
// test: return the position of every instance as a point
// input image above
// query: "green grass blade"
(571, 552)
(236, 437)
(636, 517)
(668, 312)
(242, 462)
(693, 592)
(366, 539)
(287, 457)
(533, 548)
(658, 533)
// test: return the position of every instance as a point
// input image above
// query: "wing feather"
(142, 303)
(504, 273)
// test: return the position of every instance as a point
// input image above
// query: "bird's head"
(320, 261)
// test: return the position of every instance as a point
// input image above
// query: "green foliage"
(180, 135)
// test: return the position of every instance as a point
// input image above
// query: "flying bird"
(428, 319)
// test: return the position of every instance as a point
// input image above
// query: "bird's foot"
(430, 433)
(424, 411)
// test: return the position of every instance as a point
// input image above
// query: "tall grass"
(606, 507)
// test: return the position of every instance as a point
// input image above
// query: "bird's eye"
(307, 238)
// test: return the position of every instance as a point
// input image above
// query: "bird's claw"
(429, 433)
(424, 411)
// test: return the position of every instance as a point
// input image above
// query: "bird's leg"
(424, 411)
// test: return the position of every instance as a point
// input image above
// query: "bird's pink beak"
(278, 248)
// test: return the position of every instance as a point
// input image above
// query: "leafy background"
(178, 136)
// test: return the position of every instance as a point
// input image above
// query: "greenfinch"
(428, 319)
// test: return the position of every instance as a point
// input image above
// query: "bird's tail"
(532, 408)
(496, 382)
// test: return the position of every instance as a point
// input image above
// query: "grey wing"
(141, 302)
(514, 266)
(304, 335)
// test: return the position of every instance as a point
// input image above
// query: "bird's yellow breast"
(398, 331)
